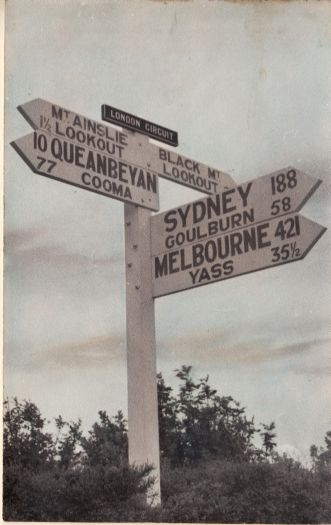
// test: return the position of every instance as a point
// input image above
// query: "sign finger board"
(257, 247)
(272, 195)
(60, 159)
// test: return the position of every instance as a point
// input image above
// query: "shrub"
(223, 491)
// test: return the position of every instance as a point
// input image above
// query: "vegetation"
(216, 466)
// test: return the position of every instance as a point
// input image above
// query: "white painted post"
(143, 427)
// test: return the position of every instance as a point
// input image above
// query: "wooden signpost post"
(233, 231)
(143, 426)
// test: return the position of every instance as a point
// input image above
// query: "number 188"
(282, 181)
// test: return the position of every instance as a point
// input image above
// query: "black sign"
(126, 120)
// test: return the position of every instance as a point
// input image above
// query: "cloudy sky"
(247, 87)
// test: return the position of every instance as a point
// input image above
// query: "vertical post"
(143, 428)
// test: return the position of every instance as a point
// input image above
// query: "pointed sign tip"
(13, 144)
(322, 230)
(25, 114)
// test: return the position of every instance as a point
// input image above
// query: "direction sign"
(121, 118)
(249, 249)
(56, 120)
(272, 195)
(130, 147)
(66, 161)
(188, 172)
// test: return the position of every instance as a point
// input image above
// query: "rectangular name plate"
(126, 120)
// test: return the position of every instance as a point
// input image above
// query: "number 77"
(51, 164)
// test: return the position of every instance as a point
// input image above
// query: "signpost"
(234, 231)
(143, 429)
(130, 147)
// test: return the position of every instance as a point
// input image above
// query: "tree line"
(217, 465)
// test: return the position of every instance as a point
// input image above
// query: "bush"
(223, 491)
(212, 471)
(69, 477)
(90, 494)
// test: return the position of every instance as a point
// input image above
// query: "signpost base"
(141, 348)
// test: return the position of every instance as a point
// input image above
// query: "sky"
(247, 87)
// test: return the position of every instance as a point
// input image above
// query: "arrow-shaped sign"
(255, 247)
(266, 197)
(133, 148)
(66, 161)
